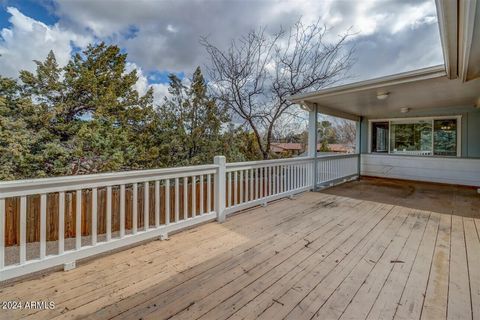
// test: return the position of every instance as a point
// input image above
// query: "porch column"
(358, 143)
(312, 131)
(312, 140)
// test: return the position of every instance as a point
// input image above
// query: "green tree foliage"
(87, 117)
(326, 134)
(17, 137)
(192, 121)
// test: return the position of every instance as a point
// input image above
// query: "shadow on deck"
(441, 198)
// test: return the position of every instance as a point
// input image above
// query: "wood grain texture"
(316, 256)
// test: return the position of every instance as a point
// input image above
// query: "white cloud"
(171, 28)
(164, 35)
(168, 31)
(414, 16)
(27, 40)
(160, 90)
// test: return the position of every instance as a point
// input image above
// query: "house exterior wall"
(453, 170)
(470, 127)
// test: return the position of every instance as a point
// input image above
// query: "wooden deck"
(318, 256)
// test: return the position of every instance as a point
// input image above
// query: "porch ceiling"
(426, 89)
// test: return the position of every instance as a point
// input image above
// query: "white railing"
(336, 168)
(257, 182)
(62, 220)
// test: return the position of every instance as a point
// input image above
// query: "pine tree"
(193, 122)
(87, 117)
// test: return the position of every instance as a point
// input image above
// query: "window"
(380, 137)
(416, 136)
(445, 137)
(411, 137)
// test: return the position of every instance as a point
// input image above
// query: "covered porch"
(419, 125)
(329, 255)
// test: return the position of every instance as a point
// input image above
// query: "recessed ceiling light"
(382, 95)
(404, 109)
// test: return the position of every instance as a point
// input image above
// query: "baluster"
(177, 200)
(202, 208)
(280, 178)
(261, 177)
(270, 186)
(241, 186)
(245, 185)
(94, 216)
(229, 192)
(61, 222)
(134, 208)
(23, 229)
(109, 213)
(167, 201)
(297, 175)
(251, 185)
(282, 182)
(43, 226)
(78, 220)
(304, 174)
(185, 198)
(194, 196)
(157, 204)
(122, 211)
(287, 177)
(235, 190)
(209, 193)
(146, 206)
(256, 184)
(275, 179)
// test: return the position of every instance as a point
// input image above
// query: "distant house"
(288, 148)
(296, 149)
(340, 148)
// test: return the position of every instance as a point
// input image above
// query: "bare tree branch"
(257, 73)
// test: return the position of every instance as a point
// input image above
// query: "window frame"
(432, 119)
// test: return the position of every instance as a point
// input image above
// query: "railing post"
(220, 187)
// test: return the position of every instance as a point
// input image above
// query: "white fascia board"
(447, 13)
(405, 77)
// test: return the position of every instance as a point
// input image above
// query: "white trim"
(415, 118)
(465, 33)
(405, 77)
(447, 13)
(315, 107)
(430, 118)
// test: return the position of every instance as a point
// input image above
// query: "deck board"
(381, 286)
(317, 256)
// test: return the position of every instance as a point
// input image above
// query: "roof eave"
(410, 76)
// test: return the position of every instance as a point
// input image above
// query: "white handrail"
(67, 183)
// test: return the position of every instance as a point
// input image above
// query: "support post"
(69, 266)
(359, 145)
(220, 187)
(312, 140)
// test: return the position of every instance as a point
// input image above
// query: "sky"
(162, 36)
